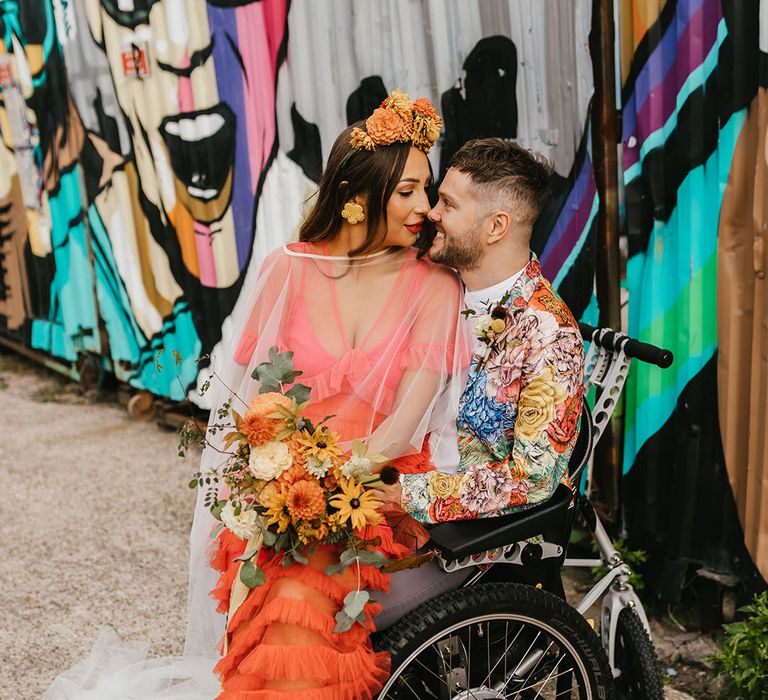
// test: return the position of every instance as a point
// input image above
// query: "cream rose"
(356, 466)
(270, 460)
(243, 526)
(483, 324)
(536, 407)
(445, 485)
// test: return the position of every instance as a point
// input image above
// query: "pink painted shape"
(203, 243)
(205, 260)
(260, 29)
(186, 99)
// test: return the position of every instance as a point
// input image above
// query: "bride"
(376, 332)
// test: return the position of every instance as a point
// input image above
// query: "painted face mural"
(169, 64)
(154, 155)
(160, 54)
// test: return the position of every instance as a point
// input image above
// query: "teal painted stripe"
(679, 247)
(125, 337)
(71, 326)
(568, 263)
(656, 410)
(178, 333)
(677, 250)
(695, 80)
(591, 314)
(633, 172)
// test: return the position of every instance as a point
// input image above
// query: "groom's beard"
(462, 252)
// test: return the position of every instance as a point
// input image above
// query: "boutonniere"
(491, 326)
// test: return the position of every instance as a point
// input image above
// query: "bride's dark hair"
(371, 174)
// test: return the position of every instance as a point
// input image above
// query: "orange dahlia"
(385, 126)
(258, 429)
(306, 500)
(424, 107)
(265, 404)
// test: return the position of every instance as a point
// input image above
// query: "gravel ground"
(94, 519)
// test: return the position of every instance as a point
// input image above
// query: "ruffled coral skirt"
(280, 642)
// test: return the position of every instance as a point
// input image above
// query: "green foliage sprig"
(743, 653)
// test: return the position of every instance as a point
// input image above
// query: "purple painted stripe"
(570, 223)
(698, 39)
(229, 81)
(660, 61)
(665, 72)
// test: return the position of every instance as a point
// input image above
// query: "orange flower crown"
(399, 120)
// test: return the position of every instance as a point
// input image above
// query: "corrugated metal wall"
(153, 151)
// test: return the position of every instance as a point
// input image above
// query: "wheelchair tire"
(635, 658)
(431, 648)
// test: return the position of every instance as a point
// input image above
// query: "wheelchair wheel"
(639, 677)
(497, 640)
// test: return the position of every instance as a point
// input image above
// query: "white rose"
(483, 324)
(270, 460)
(243, 526)
(356, 466)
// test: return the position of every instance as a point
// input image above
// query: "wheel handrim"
(546, 661)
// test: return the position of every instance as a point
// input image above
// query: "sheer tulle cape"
(395, 381)
(394, 384)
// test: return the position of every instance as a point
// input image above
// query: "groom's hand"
(389, 494)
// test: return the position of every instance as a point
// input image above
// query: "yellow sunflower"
(356, 504)
(315, 531)
(322, 444)
(276, 502)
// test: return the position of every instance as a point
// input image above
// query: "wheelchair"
(507, 631)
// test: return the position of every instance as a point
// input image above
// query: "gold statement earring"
(353, 213)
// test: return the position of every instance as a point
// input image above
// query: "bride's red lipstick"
(415, 228)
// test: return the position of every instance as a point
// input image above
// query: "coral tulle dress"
(280, 641)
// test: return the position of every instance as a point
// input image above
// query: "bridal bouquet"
(288, 485)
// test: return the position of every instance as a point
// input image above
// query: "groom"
(519, 412)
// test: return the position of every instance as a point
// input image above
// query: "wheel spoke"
(429, 670)
(503, 657)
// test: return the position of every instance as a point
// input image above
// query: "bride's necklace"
(352, 263)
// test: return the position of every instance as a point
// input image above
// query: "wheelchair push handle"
(645, 352)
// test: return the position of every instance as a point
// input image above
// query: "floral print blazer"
(518, 415)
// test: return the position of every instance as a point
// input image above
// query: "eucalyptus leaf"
(354, 602)
(300, 558)
(251, 575)
(299, 393)
(247, 556)
(348, 556)
(334, 569)
(216, 509)
(269, 537)
(343, 622)
(279, 370)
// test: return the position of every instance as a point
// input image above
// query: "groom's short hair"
(505, 176)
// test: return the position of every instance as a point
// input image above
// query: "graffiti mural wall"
(694, 132)
(153, 151)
